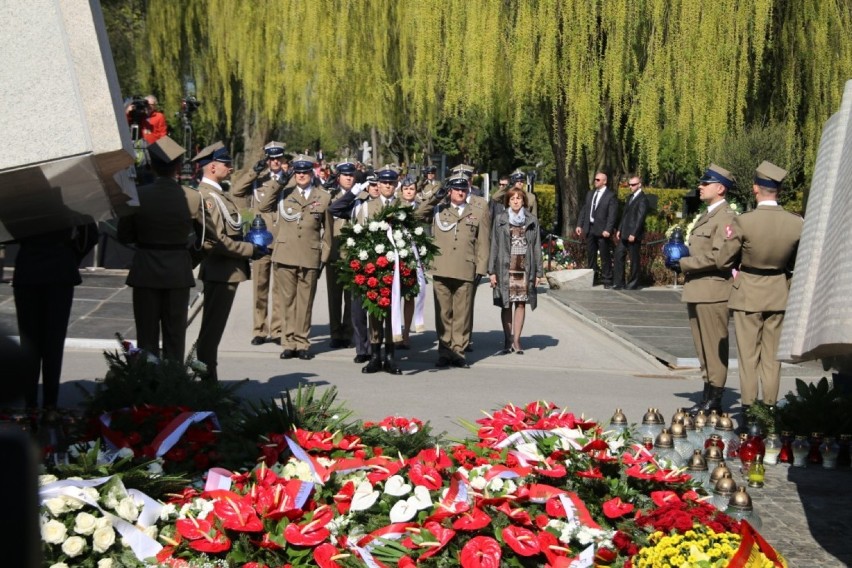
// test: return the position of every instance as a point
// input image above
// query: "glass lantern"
(800, 449)
(740, 508)
(682, 445)
(814, 456)
(725, 429)
(697, 468)
(786, 453)
(618, 422)
(695, 437)
(713, 456)
(829, 450)
(716, 474)
(700, 420)
(772, 447)
(651, 426)
(756, 473)
(664, 451)
(723, 491)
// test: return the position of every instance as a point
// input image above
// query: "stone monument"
(67, 145)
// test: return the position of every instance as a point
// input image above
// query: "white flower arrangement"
(391, 256)
(363, 255)
(357, 228)
(418, 231)
(373, 226)
(350, 242)
(379, 248)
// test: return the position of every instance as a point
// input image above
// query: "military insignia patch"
(729, 232)
(208, 204)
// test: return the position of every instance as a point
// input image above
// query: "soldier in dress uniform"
(462, 232)
(761, 245)
(302, 247)
(352, 205)
(266, 175)
(707, 287)
(167, 222)
(428, 185)
(226, 260)
(339, 300)
(468, 171)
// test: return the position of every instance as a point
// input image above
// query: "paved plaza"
(589, 351)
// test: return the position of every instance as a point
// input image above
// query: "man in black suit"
(630, 233)
(597, 224)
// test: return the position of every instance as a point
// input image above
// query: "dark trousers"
(43, 313)
(360, 334)
(339, 306)
(161, 309)
(619, 271)
(218, 299)
(594, 244)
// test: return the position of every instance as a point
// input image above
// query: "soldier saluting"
(762, 245)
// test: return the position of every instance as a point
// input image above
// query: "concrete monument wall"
(66, 146)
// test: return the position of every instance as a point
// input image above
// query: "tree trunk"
(255, 135)
(567, 188)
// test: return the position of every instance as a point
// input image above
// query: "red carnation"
(406, 271)
(385, 292)
(372, 282)
(355, 265)
(372, 295)
(384, 302)
(360, 279)
(370, 268)
(382, 262)
(410, 282)
(387, 279)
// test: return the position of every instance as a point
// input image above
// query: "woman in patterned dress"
(514, 266)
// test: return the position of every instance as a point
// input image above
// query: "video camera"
(188, 106)
(138, 109)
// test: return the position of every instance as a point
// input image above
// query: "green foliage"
(669, 206)
(816, 407)
(406, 445)
(545, 195)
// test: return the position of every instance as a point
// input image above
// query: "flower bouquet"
(555, 256)
(383, 255)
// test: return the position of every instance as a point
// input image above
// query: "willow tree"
(609, 76)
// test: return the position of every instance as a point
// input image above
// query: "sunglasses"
(504, 185)
(633, 184)
(598, 179)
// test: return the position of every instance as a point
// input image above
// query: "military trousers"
(360, 333)
(758, 334)
(296, 286)
(453, 315)
(161, 309)
(266, 322)
(380, 330)
(339, 306)
(709, 325)
(218, 299)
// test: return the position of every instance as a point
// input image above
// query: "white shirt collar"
(768, 203)
(209, 181)
(715, 205)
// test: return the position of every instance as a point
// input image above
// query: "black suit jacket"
(633, 218)
(605, 213)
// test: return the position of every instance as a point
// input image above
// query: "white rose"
(56, 506)
(423, 251)
(418, 231)
(103, 538)
(152, 532)
(350, 242)
(390, 256)
(380, 248)
(73, 504)
(403, 252)
(155, 468)
(110, 500)
(363, 255)
(91, 493)
(84, 523)
(357, 228)
(53, 532)
(59, 565)
(127, 509)
(105, 563)
(45, 479)
(74, 546)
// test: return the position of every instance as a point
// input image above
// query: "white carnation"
(478, 483)
(357, 228)
(125, 453)
(400, 244)
(350, 242)
(495, 485)
(403, 252)
(84, 523)
(401, 215)
(391, 256)
(103, 538)
(383, 225)
(397, 235)
(373, 226)
(74, 546)
(53, 532)
(423, 251)
(127, 509)
(380, 248)
(363, 255)
(59, 565)
(167, 511)
(418, 231)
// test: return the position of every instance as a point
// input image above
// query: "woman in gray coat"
(514, 266)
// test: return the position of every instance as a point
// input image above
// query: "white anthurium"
(396, 486)
(421, 498)
(364, 497)
(403, 510)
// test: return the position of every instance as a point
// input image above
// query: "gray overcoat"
(498, 261)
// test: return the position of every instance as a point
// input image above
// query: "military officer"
(166, 223)
(462, 232)
(707, 287)
(428, 185)
(302, 247)
(761, 245)
(339, 301)
(226, 261)
(254, 184)
(468, 171)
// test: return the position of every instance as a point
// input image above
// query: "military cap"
(463, 169)
(430, 169)
(166, 150)
(459, 181)
(274, 150)
(517, 175)
(388, 173)
(302, 164)
(769, 175)
(372, 179)
(215, 152)
(347, 167)
(718, 174)
(408, 180)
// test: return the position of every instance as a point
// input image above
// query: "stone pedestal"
(66, 137)
(577, 279)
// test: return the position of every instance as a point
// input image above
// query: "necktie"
(304, 193)
(594, 206)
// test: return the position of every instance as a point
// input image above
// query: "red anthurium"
(553, 550)
(517, 515)
(426, 476)
(521, 540)
(472, 520)
(691, 496)
(605, 556)
(343, 498)
(213, 543)
(662, 498)
(595, 445)
(554, 507)
(445, 511)
(326, 554)
(406, 562)
(193, 529)
(382, 468)
(237, 515)
(615, 508)
(591, 473)
(308, 534)
(669, 476)
(481, 552)
(638, 472)
(443, 536)
(254, 565)
(269, 542)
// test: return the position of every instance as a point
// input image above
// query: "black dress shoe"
(337, 343)
(305, 355)
(631, 287)
(468, 349)
(276, 341)
(258, 340)
(617, 287)
(442, 363)
(288, 354)
(461, 363)
(607, 286)
(361, 358)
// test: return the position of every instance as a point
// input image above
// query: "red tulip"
(521, 540)
(481, 552)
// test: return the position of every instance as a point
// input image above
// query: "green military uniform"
(255, 186)
(302, 246)
(464, 240)
(706, 291)
(226, 261)
(164, 225)
(762, 245)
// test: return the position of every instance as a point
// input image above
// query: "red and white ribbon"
(172, 433)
